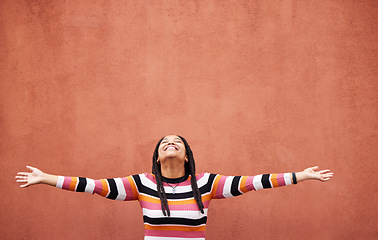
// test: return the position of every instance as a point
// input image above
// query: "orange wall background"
(87, 88)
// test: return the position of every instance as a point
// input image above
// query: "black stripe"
(176, 221)
(81, 185)
(175, 180)
(207, 187)
(180, 195)
(265, 181)
(235, 186)
(144, 189)
(113, 191)
(152, 192)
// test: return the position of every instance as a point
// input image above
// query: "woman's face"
(172, 147)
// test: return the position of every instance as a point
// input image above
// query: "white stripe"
(204, 180)
(227, 187)
(150, 184)
(178, 189)
(270, 180)
(89, 188)
(257, 182)
(147, 182)
(59, 183)
(77, 183)
(287, 178)
(175, 213)
(170, 238)
(175, 225)
(121, 189)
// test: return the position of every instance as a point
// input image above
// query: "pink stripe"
(66, 183)
(165, 233)
(280, 179)
(157, 206)
(98, 187)
(128, 189)
(199, 176)
(249, 184)
(219, 193)
(151, 177)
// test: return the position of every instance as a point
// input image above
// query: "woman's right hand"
(30, 178)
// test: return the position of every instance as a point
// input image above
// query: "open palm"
(29, 178)
(322, 175)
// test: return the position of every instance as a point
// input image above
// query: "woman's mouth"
(171, 147)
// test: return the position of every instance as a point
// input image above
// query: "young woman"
(173, 198)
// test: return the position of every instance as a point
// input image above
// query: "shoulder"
(205, 178)
(148, 176)
(205, 175)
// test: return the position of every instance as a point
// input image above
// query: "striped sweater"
(186, 221)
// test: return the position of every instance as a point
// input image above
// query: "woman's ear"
(158, 160)
(186, 159)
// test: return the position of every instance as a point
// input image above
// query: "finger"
(324, 171)
(314, 168)
(23, 177)
(328, 175)
(22, 180)
(23, 173)
(25, 185)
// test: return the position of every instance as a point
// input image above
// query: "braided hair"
(190, 169)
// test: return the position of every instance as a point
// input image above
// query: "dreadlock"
(190, 169)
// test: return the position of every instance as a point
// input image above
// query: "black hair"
(190, 169)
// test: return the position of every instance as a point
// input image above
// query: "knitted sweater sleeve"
(123, 189)
(232, 186)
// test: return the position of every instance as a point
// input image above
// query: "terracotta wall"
(88, 87)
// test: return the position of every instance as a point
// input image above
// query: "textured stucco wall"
(88, 87)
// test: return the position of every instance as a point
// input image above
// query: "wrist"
(301, 176)
(44, 178)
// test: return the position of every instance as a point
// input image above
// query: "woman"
(173, 198)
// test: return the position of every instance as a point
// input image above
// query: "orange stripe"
(148, 199)
(105, 190)
(175, 228)
(133, 186)
(274, 180)
(145, 198)
(206, 197)
(73, 183)
(242, 184)
(216, 181)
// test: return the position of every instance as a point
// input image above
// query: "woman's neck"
(172, 172)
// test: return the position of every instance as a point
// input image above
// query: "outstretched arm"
(114, 188)
(231, 186)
